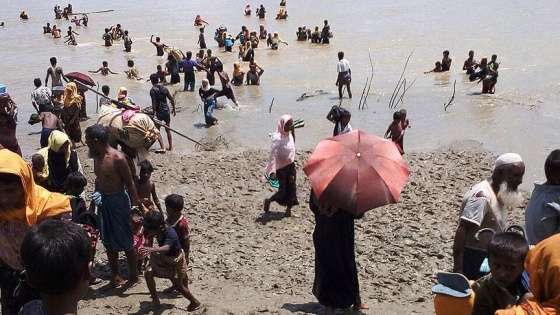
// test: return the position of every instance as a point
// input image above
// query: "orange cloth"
(39, 202)
(450, 305)
(543, 265)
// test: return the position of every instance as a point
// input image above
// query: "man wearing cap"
(485, 206)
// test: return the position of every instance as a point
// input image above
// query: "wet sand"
(246, 262)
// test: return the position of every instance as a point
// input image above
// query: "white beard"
(509, 197)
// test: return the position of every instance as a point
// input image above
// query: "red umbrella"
(80, 77)
(357, 171)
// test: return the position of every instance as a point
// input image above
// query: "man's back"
(542, 216)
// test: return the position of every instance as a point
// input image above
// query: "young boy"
(132, 72)
(37, 166)
(50, 122)
(437, 68)
(75, 184)
(395, 131)
(57, 261)
(146, 189)
(405, 123)
(201, 40)
(507, 284)
(173, 206)
(167, 260)
(104, 69)
(105, 100)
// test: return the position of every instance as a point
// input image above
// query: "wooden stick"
(270, 107)
(399, 82)
(363, 92)
(404, 92)
(452, 97)
(392, 103)
(103, 11)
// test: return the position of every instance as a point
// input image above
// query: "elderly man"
(485, 206)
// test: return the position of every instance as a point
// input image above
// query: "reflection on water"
(527, 91)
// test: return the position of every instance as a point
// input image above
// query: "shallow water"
(522, 34)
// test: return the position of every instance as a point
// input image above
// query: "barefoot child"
(139, 239)
(507, 284)
(147, 189)
(167, 260)
(395, 131)
(405, 123)
(132, 72)
(104, 69)
(173, 206)
(57, 261)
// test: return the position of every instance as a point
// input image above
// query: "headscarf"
(58, 164)
(39, 202)
(543, 265)
(247, 48)
(283, 149)
(207, 85)
(71, 95)
(236, 68)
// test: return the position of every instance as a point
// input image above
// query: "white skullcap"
(507, 158)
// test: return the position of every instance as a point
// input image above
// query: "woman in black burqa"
(336, 276)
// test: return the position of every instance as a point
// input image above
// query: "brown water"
(522, 116)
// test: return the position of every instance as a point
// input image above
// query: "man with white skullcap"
(485, 206)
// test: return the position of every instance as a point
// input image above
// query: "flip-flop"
(160, 151)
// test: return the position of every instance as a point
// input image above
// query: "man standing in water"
(113, 202)
(55, 73)
(160, 95)
(344, 75)
(159, 45)
(485, 206)
(470, 64)
(445, 61)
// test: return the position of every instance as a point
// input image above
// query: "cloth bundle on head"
(39, 202)
(506, 159)
(71, 95)
(56, 140)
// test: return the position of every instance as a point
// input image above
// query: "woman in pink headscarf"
(282, 167)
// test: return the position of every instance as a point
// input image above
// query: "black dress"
(336, 276)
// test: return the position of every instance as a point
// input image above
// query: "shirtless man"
(159, 45)
(445, 61)
(113, 202)
(470, 64)
(226, 88)
(56, 74)
(104, 69)
(50, 123)
(107, 38)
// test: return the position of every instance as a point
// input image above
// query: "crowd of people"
(47, 229)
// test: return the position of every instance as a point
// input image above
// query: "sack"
(336, 113)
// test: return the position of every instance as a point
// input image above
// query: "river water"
(521, 117)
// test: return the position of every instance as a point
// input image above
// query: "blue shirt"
(170, 238)
(188, 65)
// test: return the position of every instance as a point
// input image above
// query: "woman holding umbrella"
(281, 165)
(336, 282)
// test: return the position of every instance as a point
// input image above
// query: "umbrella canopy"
(83, 78)
(357, 171)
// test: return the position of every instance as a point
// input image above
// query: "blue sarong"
(114, 220)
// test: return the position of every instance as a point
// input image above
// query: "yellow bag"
(454, 295)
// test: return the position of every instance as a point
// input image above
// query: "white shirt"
(342, 65)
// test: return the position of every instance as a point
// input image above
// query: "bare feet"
(132, 283)
(170, 149)
(117, 281)
(361, 306)
(156, 302)
(171, 289)
(288, 212)
(193, 306)
(266, 205)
